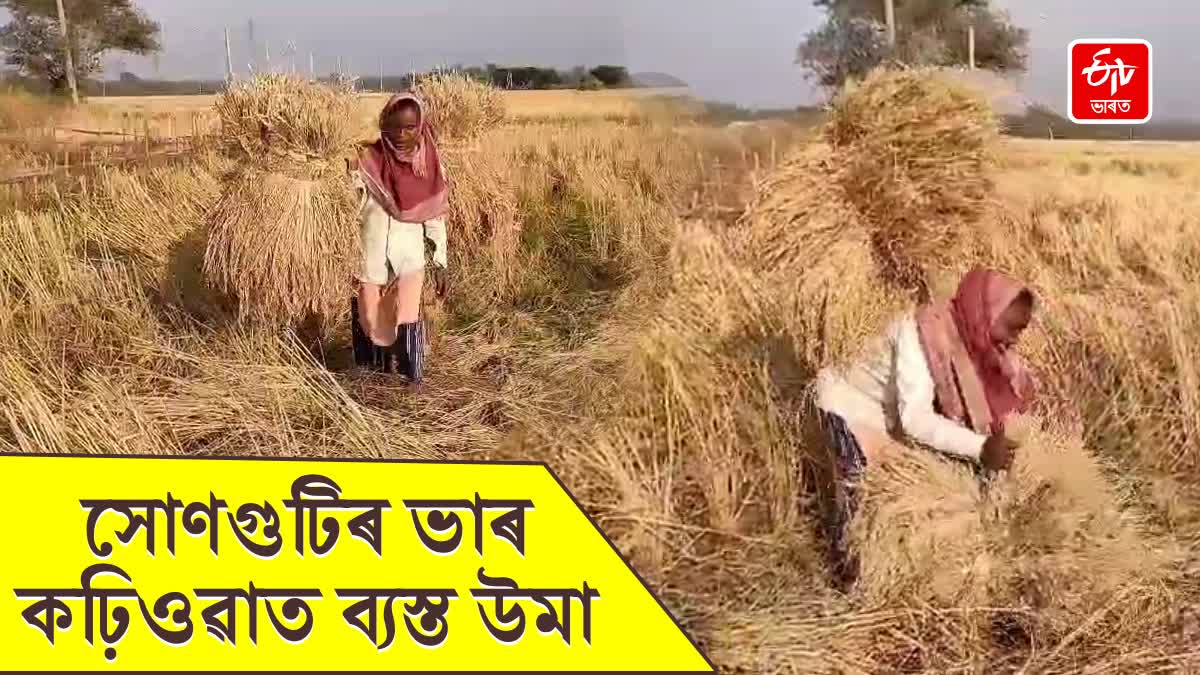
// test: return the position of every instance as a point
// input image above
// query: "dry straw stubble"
(1040, 563)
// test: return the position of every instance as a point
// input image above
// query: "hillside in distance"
(657, 81)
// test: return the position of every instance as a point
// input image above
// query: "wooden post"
(971, 46)
(889, 15)
(62, 27)
(228, 58)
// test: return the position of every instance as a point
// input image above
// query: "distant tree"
(129, 78)
(928, 32)
(589, 83)
(32, 43)
(576, 76)
(611, 76)
(842, 48)
(999, 45)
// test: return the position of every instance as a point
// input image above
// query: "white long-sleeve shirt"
(891, 391)
(387, 242)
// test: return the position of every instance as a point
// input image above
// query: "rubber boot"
(411, 343)
(364, 349)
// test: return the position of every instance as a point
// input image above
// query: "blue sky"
(735, 51)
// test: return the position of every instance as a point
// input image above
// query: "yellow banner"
(139, 564)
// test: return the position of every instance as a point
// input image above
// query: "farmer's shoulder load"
(915, 151)
(461, 108)
(282, 239)
(276, 117)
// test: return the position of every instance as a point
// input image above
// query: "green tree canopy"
(928, 32)
(611, 76)
(32, 42)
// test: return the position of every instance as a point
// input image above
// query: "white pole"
(228, 57)
(889, 13)
(312, 65)
(381, 75)
(62, 27)
(971, 46)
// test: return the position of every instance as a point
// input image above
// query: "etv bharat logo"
(1110, 82)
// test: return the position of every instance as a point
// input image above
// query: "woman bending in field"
(404, 201)
(944, 376)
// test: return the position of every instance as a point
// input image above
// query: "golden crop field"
(175, 115)
(644, 307)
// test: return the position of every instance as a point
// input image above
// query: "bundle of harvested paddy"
(914, 150)
(919, 535)
(277, 116)
(1070, 551)
(285, 247)
(813, 250)
(461, 108)
(1047, 544)
(484, 218)
(281, 239)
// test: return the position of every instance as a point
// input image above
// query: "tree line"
(526, 77)
(35, 51)
(849, 43)
(853, 38)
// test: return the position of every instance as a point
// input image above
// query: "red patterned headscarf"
(976, 380)
(408, 184)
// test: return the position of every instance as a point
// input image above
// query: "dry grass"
(284, 247)
(282, 239)
(660, 357)
(167, 115)
(288, 118)
(914, 153)
(461, 108)
(20, 110)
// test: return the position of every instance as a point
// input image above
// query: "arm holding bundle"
(435, 235)
(915, 398)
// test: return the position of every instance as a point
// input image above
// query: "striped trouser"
(850, 463)
(413, 335)
(409, 347)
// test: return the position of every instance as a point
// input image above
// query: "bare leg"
(369, 301)
(385, 308)
(405, 297)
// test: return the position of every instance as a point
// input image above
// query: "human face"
(1012, 322)
(403, 128)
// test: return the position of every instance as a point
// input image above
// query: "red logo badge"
(1110, 82)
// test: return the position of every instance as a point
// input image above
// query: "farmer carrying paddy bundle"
(944, 376)
(404, 199)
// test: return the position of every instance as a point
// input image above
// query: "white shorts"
(390, 248)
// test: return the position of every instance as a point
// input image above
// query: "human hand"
(441, 281)
(997, 454)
